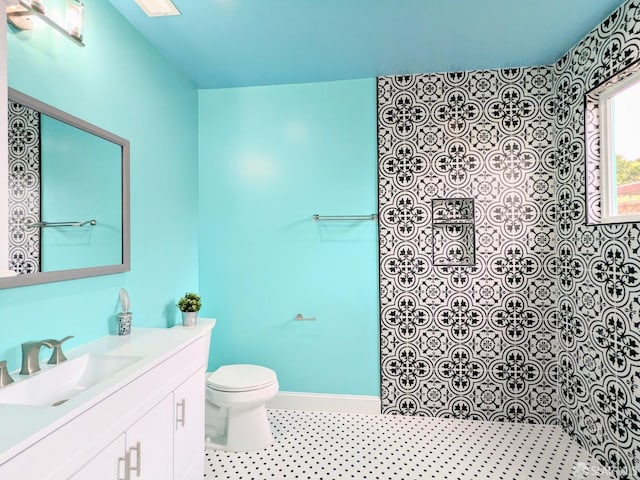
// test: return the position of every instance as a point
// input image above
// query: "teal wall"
(80, 180)
(117, 82)
(270, 157)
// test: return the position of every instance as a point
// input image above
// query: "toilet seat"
(241, 378)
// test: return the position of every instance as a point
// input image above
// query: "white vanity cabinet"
(151, 427)
(149, 442)
(144, 451)
(189, 400)
(104, 465)
(162, 445)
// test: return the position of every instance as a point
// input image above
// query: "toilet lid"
(237, 378)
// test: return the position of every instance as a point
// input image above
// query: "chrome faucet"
(30, 356)
(5, 378)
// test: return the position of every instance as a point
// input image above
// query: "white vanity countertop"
(23, 425)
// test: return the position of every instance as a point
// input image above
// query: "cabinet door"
(109, 464)
(188, 450)
(150, 444)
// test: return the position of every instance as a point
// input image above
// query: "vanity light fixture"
(158, 8)
(75, 18)
(38, 6)
(21, 15)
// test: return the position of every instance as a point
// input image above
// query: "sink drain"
(59, 402)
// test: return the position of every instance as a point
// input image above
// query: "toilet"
(235, 412)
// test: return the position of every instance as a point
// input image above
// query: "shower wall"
(545, 326)
(598, 266)
(477, 341)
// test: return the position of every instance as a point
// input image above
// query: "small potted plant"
(190, 305)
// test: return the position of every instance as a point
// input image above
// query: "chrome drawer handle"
(181, 413)
(136, 468)
(122, 461)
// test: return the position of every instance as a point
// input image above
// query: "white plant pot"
(189, 319)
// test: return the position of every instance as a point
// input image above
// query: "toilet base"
(212, 440)
(247, 429)
(211, 445)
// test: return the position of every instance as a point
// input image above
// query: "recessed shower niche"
(453, 232)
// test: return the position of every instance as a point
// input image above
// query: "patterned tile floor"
(320, 445)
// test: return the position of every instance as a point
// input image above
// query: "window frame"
(607, 180)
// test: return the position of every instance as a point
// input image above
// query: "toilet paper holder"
(302, 318)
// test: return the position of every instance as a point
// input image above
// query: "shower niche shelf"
(453, 226)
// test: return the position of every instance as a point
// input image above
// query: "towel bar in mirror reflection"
(61, 224)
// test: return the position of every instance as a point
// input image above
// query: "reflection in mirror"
(68, 197)
(77, 186)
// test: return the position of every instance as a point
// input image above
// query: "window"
(619, 108)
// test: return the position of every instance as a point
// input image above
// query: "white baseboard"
(326, 402)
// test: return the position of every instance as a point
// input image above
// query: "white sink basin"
(54, 385)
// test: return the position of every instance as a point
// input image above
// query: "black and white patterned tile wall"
(544, 324)
(598, 265)
(24, 189)
(474, 339)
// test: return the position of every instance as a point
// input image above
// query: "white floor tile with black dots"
(319, 445)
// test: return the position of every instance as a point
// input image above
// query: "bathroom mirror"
(67, 201)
